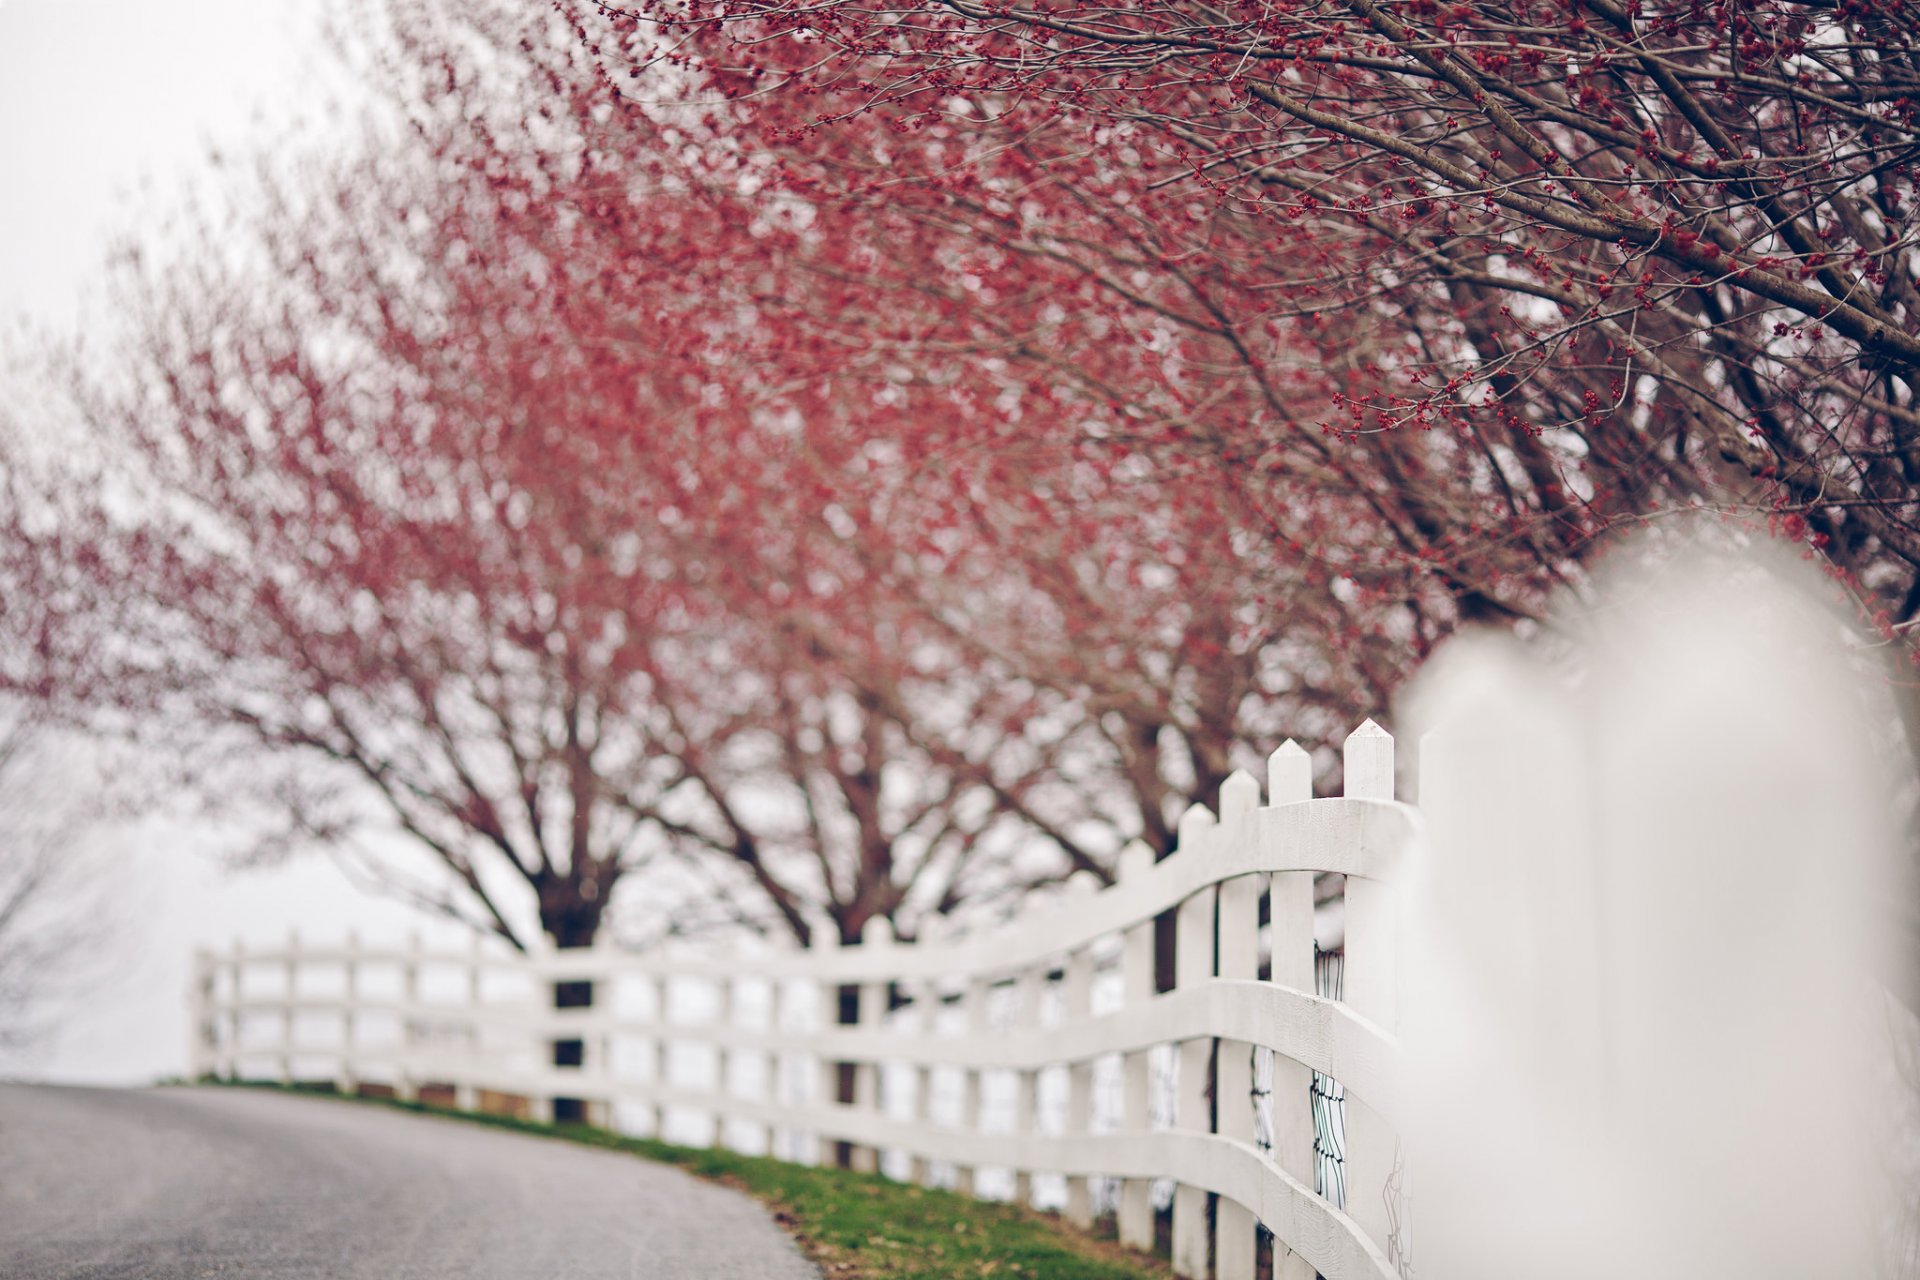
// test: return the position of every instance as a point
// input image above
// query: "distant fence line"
(746, 1040)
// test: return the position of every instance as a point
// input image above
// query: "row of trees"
(881, 459)
(497, 484)
(1507, 277)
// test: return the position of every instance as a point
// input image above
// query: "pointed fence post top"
(822, 933)
(1197, 819)
(1135, 860)
(1081, 885)
(1369, 763)
(877, 932)
(1289, 774)
(1239, 795)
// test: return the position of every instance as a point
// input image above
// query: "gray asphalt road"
(167, 1183)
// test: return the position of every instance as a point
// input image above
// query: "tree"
(361, 510)
(49, 902)
(1566, 267)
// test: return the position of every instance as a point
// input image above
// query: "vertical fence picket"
(782, 1068)
(1028, 985)
(1234, 1231)
(239, 1020)
(406, 1080)
(724, 1013)
(654, 1049)
(203, 1035)
(1076, 1005)
(596, 1041)
(465, 1096)
(230, 1059)
(1290, 916)
(285, 1055)
(926, 999)
(345, 1077)
(1193, 951)
(974, 1008)
(875, 936)
(825, 936)
(1370, 987)
(1135, 1214)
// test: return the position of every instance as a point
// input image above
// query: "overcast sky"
(107, 108)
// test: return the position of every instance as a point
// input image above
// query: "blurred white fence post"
(1192, 1111)
(1371, 988)
(825, 940)
(406, 1078)
(596, 1043)
(466, 1096)
(1076, 1005)
(926, 999)
(345, 1081)
(660, 992)
(1025, 1017)
(1235, 1235)
(203, 1045)
(287, 1010)
(726, 1009)
(237, 1023)
(1290, 922)
(973, 1004)
(877, 936)
(1135, 1214)
(787, 1069)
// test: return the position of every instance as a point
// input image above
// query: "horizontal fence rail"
(948, 1046)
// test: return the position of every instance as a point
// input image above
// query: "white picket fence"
(748, 1038)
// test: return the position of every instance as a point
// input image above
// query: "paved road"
(170, 1183)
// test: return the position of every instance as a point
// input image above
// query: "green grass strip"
(858, 1226)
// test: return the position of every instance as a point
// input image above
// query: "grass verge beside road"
(861, 1226)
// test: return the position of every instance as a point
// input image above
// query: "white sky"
(107, 108)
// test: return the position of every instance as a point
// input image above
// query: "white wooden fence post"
(466, 1096)
(876, 939)
(1371, 988)
(346, 1080)
(1290, 913)
(1193, 950)
(596, 1049)
(286, 1012)
(825, 936)
(1027, 987)
(229, 1067)
(406, 1080)
(239, 1014)
(974, 1007)
(1077, 1006)
(927, 999)
(203, 1036)
(1235, 1234)
(661, 991)
(1135, 1218)
(726, 1008)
